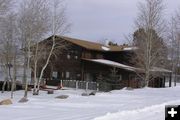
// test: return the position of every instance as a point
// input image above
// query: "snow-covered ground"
(138, 104)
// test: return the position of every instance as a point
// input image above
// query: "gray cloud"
(112, 19)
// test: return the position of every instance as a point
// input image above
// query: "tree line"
(22, 25)
(157, 40)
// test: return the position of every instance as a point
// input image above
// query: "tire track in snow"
(140, 114)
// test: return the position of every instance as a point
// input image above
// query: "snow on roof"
(105, 48)
(126, 67)
(112, 63)
(91, 45)
(157, 69)
(129, 48)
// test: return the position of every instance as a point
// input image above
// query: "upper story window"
(87, 55)
(99, 56)
(120, 77)
(76, 52)
(68, 56)
(76, 57)
(67, 74)
(44, 54)
(54, 74)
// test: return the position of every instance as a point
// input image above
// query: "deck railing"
(75, 84)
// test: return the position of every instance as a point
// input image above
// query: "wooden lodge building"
(90, 61)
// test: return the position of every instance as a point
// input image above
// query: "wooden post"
(61, 84)
(170, 80)
(175, 79)
(164, 81)
(127, 83)
(82, 71)
(87, 85)
(97, 86)
(76, 85)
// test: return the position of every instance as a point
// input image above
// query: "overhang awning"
(112, 63)
(126, 67)
(157, 69)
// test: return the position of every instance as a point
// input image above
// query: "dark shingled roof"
(92, 45)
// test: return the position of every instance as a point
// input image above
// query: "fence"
(75, 84)
(80, 84)
(103, 86)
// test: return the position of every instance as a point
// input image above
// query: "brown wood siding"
(96, 69)
(121, 57)
(92, 54)
(78, 68)
(67, 61)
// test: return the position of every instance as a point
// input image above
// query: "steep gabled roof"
(92, 45)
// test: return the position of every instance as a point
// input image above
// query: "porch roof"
(157, 69)
(112, 63)
(126, 67)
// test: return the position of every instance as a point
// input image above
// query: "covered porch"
(128, 77)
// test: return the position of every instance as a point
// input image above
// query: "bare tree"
(59, 26)
(174, 44)
(149, 39)
(5, 5)
(33, 25)
(7, 39)
(8, 50)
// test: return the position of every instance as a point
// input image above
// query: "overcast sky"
(94, 20)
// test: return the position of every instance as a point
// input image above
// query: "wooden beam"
(164, 81)
(82, 70)
(170, 80)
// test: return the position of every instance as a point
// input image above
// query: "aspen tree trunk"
(35, 70)
(25, 77)
(47, 62)
(5, 80)
(13, 84)
(149, 54)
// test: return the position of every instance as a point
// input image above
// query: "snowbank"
(138, 104)
(155, 112)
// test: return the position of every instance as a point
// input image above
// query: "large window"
(67, 74)
(120, 77)
(76, 57)
(68, 56)
(54, 74)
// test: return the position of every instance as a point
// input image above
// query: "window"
(88, 55)
(68, 56)
(78, 75)
(76, 57)
(99, 56)
(72, 51)
(62, 74)
(54, 74)
(44, 54)
(120, 77)
(67, 74)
